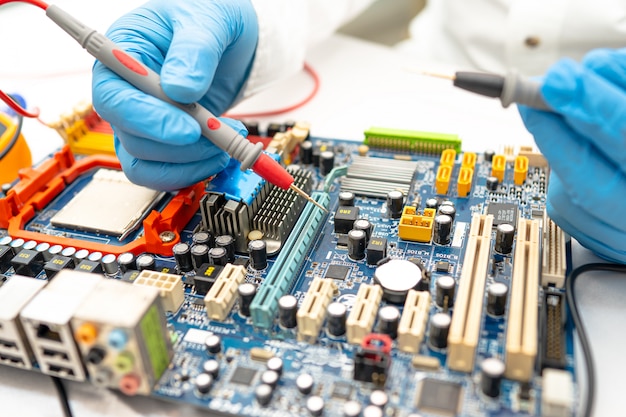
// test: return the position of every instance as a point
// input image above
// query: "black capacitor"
(5, 240)
(53, 251)
(289, 124)
(263, 394)
(182, 255)
(379, 398)
(31, 245)
(252, 127)
(274, 128)
(442, 228)
(304, 383)
(336, 321)
(438, 331)
(372, 411)
(211, 367)
(346, 198)
(199, 255)
(388, 320)
(69, 252)
(246, 291)
(317, 149)
(203, 238)
(365, 225)
(146, 261)
(491, 373)
(448, 210)
(275, 364)
(315, 405)
(492, 183)
(287, 309)
(81, 255)
(306, 152)
(395, 202)
(227, 242)
(496, 298)
(218, 256)
(357, 239)
(95, 257)
(505, 234)
(213, 344)
(432, 203)
(445, 291)
(257, 249)
(109, 264)
(270, 378)
(203, 383)
(126, 261)
(327, 162)
(488, 154)
(16, 245)
(351, 409)
(43, 248)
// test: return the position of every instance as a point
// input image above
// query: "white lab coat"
(487, 35)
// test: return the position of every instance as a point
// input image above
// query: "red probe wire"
(37, 3)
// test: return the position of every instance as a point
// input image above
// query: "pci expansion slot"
(284, 271)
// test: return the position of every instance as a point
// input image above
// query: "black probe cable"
(62, 394)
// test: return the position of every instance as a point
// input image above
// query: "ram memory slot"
(284, 271)
(411, 141)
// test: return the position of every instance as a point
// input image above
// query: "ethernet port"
(45, 332)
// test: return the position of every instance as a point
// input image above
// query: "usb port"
(11, 360)
(8, 345)
(60, 370)
(55, 354)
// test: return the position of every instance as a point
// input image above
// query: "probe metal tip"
(305, 195)
(438, 75)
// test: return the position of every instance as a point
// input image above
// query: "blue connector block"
(284, 271)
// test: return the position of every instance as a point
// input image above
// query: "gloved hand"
(585, 142)
(203, 51)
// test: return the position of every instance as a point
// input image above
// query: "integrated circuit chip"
(243, 375)
(341, 391)
(337, 272)
(503, 213)
(108, 204)
(439, 397)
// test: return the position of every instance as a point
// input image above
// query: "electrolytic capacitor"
(372, 411)
(306, 152)
(445, 288)
(227, 242)
(315, 405)
(489, 154)
(246, 291)
(336, 322)
(388, 319)
(199, 255)
(327, 162)
(146, 261)
(127, 262)
(270, 378)
(218, 256)
(505, 235)
(81, 255)
(203, 383)
(68, 252)
(43, 249)
(54, 251)
(257, 249)
(213, 344)
(442, 228)
(263, 394)
(275, 364)
(29, 245)
(203, 238)
(438, 331)
(356, 244)
(365, 225)
(352, 409)
(274, 128)
(16, 245)
(182, 255)
(492, 183)
(95, 257)
(109, 264)
(432, 203)
(491, 373)
(496, 298)
(5, 240)
(304, 383)
(211, 367)
(448, 210)
(379, 398)
(346, 198)
(287, 310)
(395, 202)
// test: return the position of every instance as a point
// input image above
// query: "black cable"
(570, 296)
(62, 393)
(14, 139)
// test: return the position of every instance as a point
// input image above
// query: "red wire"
(37, 3)
(16, 107)
(313, 93)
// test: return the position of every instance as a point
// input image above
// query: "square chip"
(243, 375)
(439, 397)
(503, 213)
(342, 391)
(337, 272)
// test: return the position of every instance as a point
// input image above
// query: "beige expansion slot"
(465, 326)
(170, 287)
(222, 295)
(553, 265)
(361, 318)
(413, 322)
(521, 333)
(313, 309)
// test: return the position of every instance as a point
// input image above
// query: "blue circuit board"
(331, 360)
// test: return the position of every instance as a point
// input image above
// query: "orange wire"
(313, 93)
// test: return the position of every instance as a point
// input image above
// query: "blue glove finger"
(587, 175)
(168, 176)
(591, 105)
(139, 114)
(609, 64)
(200, 150)
(584, 225)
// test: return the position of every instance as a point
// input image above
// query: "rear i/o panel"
(428, 275)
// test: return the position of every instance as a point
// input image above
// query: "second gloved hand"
(203, 51)
(585, 142)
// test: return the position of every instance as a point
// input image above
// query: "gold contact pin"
(438, 75)
(305, 195)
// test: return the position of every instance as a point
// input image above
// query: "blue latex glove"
(585, 142)
(203, 51)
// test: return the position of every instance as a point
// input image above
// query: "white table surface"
(362, 85)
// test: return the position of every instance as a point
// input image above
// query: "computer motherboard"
(432, 287)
